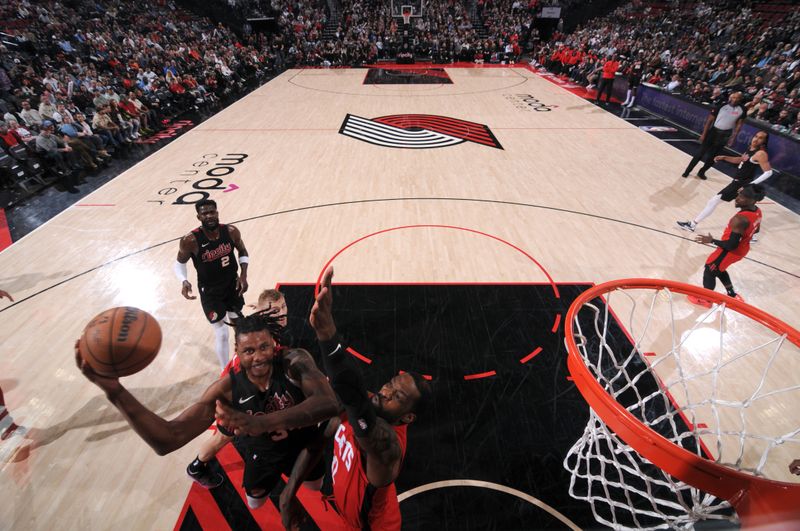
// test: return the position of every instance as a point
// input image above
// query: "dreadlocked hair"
(264, 320)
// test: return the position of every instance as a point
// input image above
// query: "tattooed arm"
(383, 453)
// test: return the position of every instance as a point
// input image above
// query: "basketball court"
(462, 213)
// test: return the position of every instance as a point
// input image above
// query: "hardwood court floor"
(575, 193)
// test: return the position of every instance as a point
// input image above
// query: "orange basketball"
(120, 341)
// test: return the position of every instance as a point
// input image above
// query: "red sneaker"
(698, 301)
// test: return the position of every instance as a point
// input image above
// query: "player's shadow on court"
(99, 411)
(17, 283)
(674, 194)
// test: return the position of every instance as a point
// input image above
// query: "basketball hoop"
(406, 12)
(646, 459)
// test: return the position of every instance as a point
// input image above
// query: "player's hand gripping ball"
(120, 341)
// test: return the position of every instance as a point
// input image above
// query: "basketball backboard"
(416, 5)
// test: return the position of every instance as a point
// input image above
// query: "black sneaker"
(702, 176)
(685, 225)
(685, 174)
(206, 479)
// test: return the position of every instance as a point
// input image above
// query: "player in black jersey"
(748, 163)
(280, 392)
(210, 247)
(635, 72)
(198, 470)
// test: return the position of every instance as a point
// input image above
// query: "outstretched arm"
(319, 405)
(738, 227)
(306, 460)
(374, 435)
(164, 436)
(732, 160)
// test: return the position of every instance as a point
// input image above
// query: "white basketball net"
(625, 490)
(406, 12)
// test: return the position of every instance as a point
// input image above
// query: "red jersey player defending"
(369, 440)
(735, 242)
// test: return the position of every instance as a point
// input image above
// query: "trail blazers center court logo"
(417, 131)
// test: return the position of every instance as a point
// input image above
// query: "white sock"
(627, 97)
(632, 100)
(713, 203)
(221, 342)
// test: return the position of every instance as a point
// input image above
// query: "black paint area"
(414, 76)
(512, 429)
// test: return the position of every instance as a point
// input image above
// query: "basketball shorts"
(263, 466)
(217, 300)
(721, 259)
(730, 192)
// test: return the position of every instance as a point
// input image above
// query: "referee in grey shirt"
(726, 119)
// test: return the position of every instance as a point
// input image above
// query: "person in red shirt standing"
(734, 245)
(369, 439)
(610, 68)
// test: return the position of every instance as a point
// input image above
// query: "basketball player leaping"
(281, 391)
(733, 246)
(210, 247)
(368, 442)
(270, 300)
(756, 157)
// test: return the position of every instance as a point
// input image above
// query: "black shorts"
(730, 192)
(217, 300)
(263, 470)
(634, 83)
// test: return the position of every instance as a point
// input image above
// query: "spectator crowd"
(703, 50)
(82, 81)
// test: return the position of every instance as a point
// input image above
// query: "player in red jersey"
(369, 438)
(735, 242)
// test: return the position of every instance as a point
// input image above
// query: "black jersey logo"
(417, 131)
(210, 255)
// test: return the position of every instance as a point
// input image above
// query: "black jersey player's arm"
(732, 160)
(186, 248)
(164, 436)
(739, 225)
(238, 242)
(306, 460)
(319, 405)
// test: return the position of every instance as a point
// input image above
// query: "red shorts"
(721, 259)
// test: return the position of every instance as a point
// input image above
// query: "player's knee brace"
(256, 499)
(221, 342)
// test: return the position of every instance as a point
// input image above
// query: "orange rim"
(757, 501)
